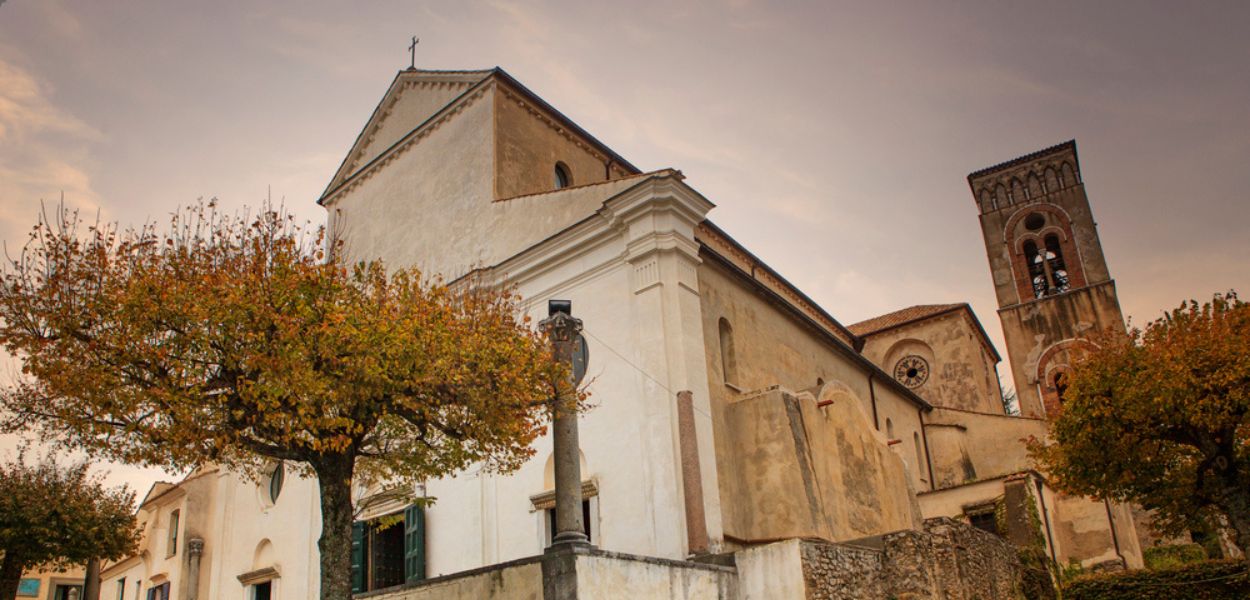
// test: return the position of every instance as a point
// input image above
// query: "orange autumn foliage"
(1161, 418)
(239, 341)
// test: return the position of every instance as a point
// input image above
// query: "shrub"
(1211, 580)
(1158, 558)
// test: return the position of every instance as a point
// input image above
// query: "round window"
(1034, 221)
(275, 482)
(912, 371)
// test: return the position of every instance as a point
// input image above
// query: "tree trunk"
(91, 583)
(1237, 511)
(1234, 502)
(10, 576)
(334, 476)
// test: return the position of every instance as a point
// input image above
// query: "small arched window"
(889, 429)
(562, 177)
(728, 359)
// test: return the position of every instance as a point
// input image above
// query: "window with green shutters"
(387, 556)
(414, 543)
(358, 557)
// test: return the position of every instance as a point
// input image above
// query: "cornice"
(1068, 146)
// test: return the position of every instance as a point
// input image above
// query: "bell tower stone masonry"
(1050, 275)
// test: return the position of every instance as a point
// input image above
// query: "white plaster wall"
(628, 438)
(432, 205)
(772, 572)
(109, 578)
(240, 521)
(609, 578)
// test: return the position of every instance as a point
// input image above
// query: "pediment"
(413, 97)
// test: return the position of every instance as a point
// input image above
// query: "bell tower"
(1050, 276)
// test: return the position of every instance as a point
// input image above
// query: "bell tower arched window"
(1054, 260)
(1037, 269)
(1048, 273)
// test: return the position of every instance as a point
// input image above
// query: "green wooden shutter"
(414, 543)
(358, 557)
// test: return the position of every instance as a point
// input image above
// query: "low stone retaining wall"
(948, 560)
(515, 580)
(582, 573)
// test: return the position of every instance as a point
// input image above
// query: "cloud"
(43, 152)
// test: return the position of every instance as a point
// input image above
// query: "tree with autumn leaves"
(1161, 418)
(242, 341)
(56, 515)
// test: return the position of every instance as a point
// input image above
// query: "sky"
(834, 137)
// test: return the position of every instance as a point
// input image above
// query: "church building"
(743, 442)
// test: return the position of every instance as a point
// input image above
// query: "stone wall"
(837, 571)
(948, 560)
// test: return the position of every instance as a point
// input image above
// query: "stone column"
(195, 550)
(563, 330)
(692, 478)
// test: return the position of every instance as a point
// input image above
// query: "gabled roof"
(350, 166)
(901, 317)
(921, 312)
(157, 490)
(382, 111)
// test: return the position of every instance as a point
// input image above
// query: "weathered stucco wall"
(795, 470)
(962, 371)
(529, 143)
(969, 446)
(1085, 528)
(1076, 528)
(772, 347)
(603, 576)
(1034, 331)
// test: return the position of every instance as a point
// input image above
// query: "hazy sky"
(835, 138)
